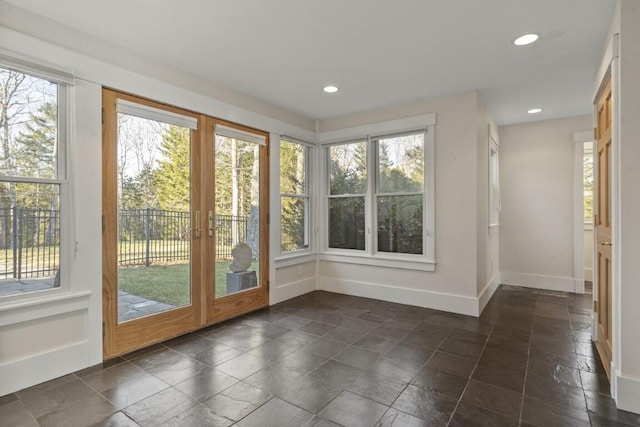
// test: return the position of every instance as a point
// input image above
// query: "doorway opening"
(587, 202)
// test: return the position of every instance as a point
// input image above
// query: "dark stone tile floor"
(326, 359)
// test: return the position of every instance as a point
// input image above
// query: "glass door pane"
(237, 215)
(153, 214)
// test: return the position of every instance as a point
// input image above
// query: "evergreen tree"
(172, 177)
(36, 147)
(292, 176)
(139, 192)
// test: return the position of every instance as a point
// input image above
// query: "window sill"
(380, 261)
(22, 310)
(294, 258)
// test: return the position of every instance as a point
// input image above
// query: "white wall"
(453, 286)
(537, 219)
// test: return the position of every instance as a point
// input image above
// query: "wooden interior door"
(151, 201)
(603, 226)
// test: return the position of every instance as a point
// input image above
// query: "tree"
(292, 182)
(253, 226)
(140, 191)
(401, 170)
(348, 176)
(36, 146)
(35, 156)
(27, 140)
(172, 177)
(236, 189)
(588, 187)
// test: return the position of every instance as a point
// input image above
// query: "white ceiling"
(378, 52)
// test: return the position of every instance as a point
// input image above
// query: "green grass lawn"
(168, 283)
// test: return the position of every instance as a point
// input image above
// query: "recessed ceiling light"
(331, 89)
(526, 39)
(534, 110)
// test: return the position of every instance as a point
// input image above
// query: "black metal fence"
(230, 229)
(30, 239)
(29, 243)
(148, 236)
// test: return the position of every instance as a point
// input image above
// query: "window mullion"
(371, 216)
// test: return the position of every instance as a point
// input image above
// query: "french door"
(182, 194)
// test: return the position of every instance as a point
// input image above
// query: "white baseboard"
(627, 392)
(19, 374)
(588, 274)
(538, 281)
(291, 290)
(421, 298)
(488, 291)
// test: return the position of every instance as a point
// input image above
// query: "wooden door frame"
(119, 338)
(233, 305)
(206, 309)
(608, 78)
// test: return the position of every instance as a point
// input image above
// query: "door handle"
(605, 243)
(211, 226)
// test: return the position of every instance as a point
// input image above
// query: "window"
(400, 193)
(588, 182)
(33, 184)
(347, 194)
(294, 196)
(494, 184)
(379, 196)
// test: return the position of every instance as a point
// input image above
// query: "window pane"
(30, 127)
(346, 223)
(401, 164)
(348, 168)
(294, 223)
(154, 217)
(400, 224)
(293, 168)
(237, 214)
(29, 237)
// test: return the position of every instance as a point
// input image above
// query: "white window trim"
(65, 134)
(423, 262)
(295, 258)
(494, 172)
(309, 253)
